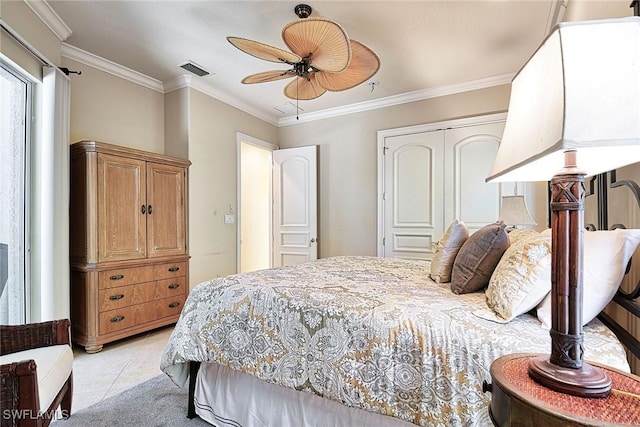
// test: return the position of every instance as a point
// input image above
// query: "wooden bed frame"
(598, 186)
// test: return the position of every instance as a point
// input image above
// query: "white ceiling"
(424, 46)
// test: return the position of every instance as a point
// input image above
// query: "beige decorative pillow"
(448, 246)
(517, 234)
(478, 257)
(522, 278)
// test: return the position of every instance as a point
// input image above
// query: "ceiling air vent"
(192, 67)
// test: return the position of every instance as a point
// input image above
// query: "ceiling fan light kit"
(322, 57)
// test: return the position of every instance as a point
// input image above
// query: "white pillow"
(521, 279)
(606, 255)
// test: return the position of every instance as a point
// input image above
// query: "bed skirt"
(226, 397)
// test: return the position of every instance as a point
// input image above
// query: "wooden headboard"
(622, 315)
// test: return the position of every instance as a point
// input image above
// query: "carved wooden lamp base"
(564, 371)
(587, 381)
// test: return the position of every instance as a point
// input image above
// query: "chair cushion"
(53, 367)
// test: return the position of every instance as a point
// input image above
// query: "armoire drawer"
(168, 307)
(124, 296)
(170, 287)
(140, 293)
(170, 270)
(129, 276)
(116, 320)
(135, 315)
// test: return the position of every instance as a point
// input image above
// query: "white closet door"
(469, 155)
(413, 172)
(435, 173)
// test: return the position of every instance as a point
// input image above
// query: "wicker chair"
(22, 348)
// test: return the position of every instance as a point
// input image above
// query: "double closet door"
(431, 175)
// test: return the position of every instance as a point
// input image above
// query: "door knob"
(313, 240)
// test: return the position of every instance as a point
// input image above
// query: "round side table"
(517, 400)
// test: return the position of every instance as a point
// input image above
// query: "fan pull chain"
(297, 98)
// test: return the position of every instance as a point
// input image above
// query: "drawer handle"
(116, 297)
(172, 269)
(174, 304)
(117, 277)
(143, 209)
(150, 209)
(116, 319)
(174, 286)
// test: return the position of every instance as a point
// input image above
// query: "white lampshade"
(579, 91)
(514, 211)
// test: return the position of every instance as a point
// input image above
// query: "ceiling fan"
(322, 57)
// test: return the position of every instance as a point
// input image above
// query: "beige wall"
(176, 123)
(348, 161)
(111, 109)
(213, 181)
(21, 19)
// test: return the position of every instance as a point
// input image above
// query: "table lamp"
(578, 99)
(514, 212)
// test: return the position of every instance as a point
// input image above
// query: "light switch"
(229, 219)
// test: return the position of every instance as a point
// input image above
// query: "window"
(15, 109)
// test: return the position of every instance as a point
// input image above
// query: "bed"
(352, 340)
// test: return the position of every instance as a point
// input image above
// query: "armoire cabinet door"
(166, 210)
(122, 232)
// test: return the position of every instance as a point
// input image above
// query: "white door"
(469, 155)
(412, 197)
(433, 174)
(295, 210)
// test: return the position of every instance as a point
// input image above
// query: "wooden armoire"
(128, 241)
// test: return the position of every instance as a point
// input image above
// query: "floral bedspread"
(372, 333)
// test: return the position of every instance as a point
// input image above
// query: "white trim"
(389, 101)
(50, 18)
(110, 67)
(556, 14)
(185, 80)
(177, 82)
(213, 92)
(455, 123)
(408, 130)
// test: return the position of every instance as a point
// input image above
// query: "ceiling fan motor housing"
(303, 10)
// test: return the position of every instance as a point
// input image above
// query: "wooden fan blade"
(304, 89)
(264, 51)
(364, 64)
(325, 41)
(269, 76)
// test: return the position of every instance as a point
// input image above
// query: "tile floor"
(118, 366)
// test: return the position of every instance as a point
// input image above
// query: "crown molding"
(50, 18)
(178, 82)
(404, 98)
(208, 89)
(110, 67)
(185, 80)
